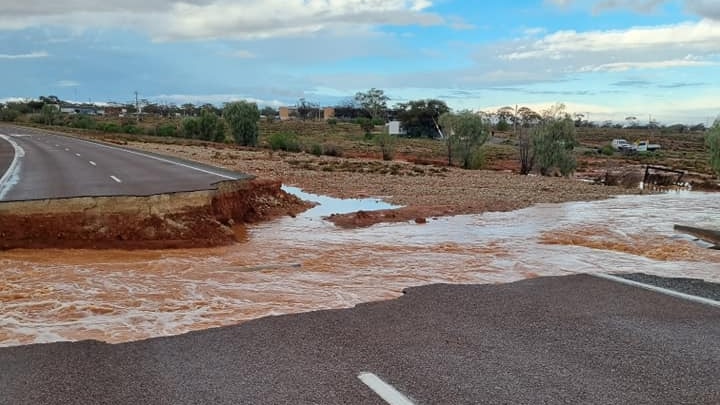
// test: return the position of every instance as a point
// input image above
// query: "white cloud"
(31, 55)
(167, 20)
(703, 36)
(217, 99)
(663, 64)
(67, 83)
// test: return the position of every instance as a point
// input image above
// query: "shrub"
(316, 149)
(607, 150)
(9, 115)
(332, 150)
(242, 118)
(284, 141)
(332, 121)
(110, 127)
(131, 129)
(477, 159)
(712, 143)
(377, 121)
(168, 130)
(83, 122)
(386, 142)
(366, 124)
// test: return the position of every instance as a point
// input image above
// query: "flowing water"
(302, 264)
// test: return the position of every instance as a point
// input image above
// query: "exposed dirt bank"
(189, 219)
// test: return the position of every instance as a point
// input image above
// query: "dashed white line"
(93, 163)
(67, 150)
(386, 391)
(116, 179)
(77, 154)
(57, 146)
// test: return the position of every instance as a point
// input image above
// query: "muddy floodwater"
(304, 263)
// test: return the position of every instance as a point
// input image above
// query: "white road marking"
(93, 163)
(386, 391)
(672, 293)
(57, 146)
(159, 159)
(12, 174)
(67, 150)
(77, 154)
(116, 179)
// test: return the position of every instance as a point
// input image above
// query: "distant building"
(395, 128)
(291, 113)
(81, 110)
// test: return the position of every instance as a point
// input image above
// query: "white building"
(395, 128)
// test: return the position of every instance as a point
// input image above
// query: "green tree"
(191, 127)
(49, 114)
(208, 125)
(374, 101)
(242, 118)
(712, 142)
(419, 117)
(465, 133)
(552, 144)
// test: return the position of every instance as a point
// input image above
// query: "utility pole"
(137, 107)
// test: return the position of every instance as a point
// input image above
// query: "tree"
(210, 127)
(307, 109)
(242, 118)
(505, 117)
(712, 142)
(49, 113)
(552, 144)
(374, 101)
(465, 133)
(268, 112)
(528, 117)
(419, 117)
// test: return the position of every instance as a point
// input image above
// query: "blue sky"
(606, 58)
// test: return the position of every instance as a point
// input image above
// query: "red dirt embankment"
(181, 220)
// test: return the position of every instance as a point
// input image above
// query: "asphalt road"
(51, 165)
(576, 339)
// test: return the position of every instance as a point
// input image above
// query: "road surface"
(37, 165)
(560, 340)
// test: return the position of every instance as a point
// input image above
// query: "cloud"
(217, 99)
(169, 20)
(642, 6)
(701, 36)
(31, 55)
(705, 8)
(241, 54)
(67, 83)
(663, 64)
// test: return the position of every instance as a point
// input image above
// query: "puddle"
(329, 205)
(302, 264)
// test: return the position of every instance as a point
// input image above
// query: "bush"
(366, 124)
(83, 122)
(332, 150)
(377, 121)
(284, 141)
(109, 127)
(332, 121)
(316, 149)
(386, 142)
(9, 115)
(168, 130)
(607, 150)
(712, 143)
(131, 129)
(477, 159)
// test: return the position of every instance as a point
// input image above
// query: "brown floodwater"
(302, 264)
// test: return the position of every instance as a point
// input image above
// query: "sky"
(606, 59)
